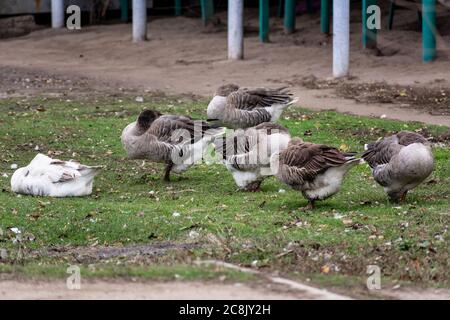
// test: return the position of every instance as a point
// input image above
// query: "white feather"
(215, 107)
(276, 110)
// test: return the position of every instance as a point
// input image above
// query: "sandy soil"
(186, 290)
(181, 56)
(120, 289)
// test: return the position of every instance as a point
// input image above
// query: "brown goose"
(246, 153)
(400, 162)
(236, 107)
(178, 141)
(316, 170)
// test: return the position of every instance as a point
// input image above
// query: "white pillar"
(235, 29)
(139, 20)
(57, 13)
(341, 37)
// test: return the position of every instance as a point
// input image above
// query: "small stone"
(193, 234)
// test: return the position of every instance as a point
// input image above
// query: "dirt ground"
(183, 57)
(119, 289)
(135, 289)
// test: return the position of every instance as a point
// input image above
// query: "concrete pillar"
(235, 29)
(57, 13)
(341, 37)
(139, 20)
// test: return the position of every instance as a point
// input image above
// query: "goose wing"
(381, 152)
(173, 128)
(58, 171)
(245, 99)
(300, 163)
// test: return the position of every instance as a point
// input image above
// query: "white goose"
(45, 176)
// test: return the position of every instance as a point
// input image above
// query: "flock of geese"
(399, 162)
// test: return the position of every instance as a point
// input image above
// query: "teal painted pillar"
(325, 16)
(428, 30)
(309, 7)
(178, 7)
(369, 31)
(289, 16)
(280, 8)
(124, 10)
(207, 10)
(264, 20)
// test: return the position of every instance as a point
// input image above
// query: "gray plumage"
(236, 107)
(176, 140)
(400, 162)
(246, 153)
(316, 170)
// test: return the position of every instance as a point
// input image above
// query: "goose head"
(397, 196)
(17, 176)
(219, 101)
(146, 118)
(226, 89)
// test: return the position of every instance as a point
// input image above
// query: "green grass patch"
(131, 205)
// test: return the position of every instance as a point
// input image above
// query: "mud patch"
(435, 100)
(94, 254)
(403, 260)
(372, 134)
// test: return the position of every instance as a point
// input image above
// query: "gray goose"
(400, 162)
(176, 140)
(235, 107)
(246, 153)
(316, 170)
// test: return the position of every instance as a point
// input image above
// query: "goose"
(45, 176)
(176, 140)
(246, 153)
(400, 162)
(316, 170)
(235, 107)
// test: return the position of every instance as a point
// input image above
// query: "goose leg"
(310, 206)
(403, 197)
(254, 186)
(167, 172)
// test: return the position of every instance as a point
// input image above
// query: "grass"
(131, 205)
